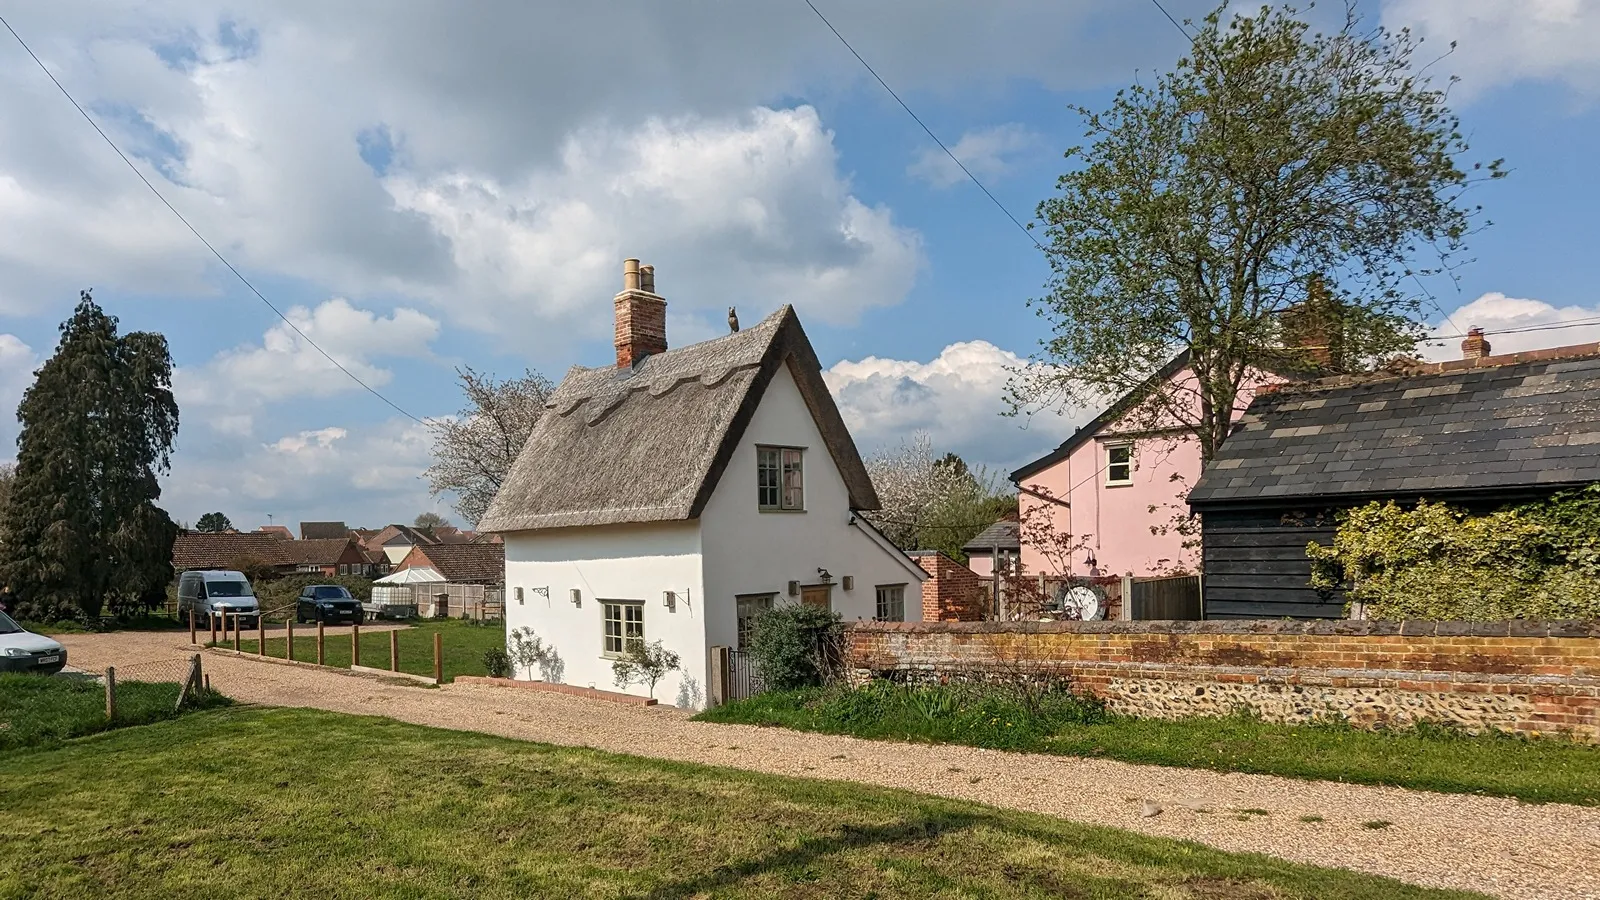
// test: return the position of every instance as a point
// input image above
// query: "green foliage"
(1433, 561)
(39, 710)
(82, 529)
(497, 663)
(525, 650)
(1427, 757)
(646, 664)
(1272, 166)
(273, 593)
(213, 523)
(793, 645)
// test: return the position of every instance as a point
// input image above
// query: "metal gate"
(733, 676)
(1175, 597)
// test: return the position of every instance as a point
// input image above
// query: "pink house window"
(1119, 464)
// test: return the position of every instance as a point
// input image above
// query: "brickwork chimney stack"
(641, 315)
(1474, 347)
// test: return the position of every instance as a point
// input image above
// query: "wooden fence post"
(394, 651)
(319, 642)
(191, 682)
(355, 644)
(111, 693)
(192, 636)
(236, 647)
(438, 657)
(261, 635)
(288, 639)
(213, 619)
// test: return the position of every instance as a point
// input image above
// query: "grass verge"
(40, 710)
(158, 812)
(1547, 769)
(463, 644)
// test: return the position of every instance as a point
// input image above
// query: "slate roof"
(1004, 534)
(1496, 425)
(648, 444)
(198, 550)
(468, 563)
(313, 531)
(321, 552)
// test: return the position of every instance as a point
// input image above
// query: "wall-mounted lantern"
(577, 597)
(519, 595)
(823, 576)
(849, 582)
(670, 600)
(794, 588)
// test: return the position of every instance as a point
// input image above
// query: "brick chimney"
(1313, 327)
(1474, 347)
(641, 315)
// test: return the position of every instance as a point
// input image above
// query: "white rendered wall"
(748, 551)
(612, 562)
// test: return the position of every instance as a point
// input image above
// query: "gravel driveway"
(1499, 846)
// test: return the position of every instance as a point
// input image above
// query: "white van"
(222, 593)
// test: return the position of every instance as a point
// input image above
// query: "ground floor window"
(751, 606)
(891, 603)
(624, 625)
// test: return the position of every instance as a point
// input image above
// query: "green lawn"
(47, 709)
(464, 643)
(1532, 769)
(254, 802)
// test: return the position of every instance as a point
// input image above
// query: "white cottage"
(675, 495)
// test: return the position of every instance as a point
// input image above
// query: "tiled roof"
(468, 563)
(198, 550)
(280, 532)
(323, 552)
(313, 531)
(1492, 425)
(1003, 534)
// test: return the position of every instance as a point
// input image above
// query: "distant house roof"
(320, 552)
(1502, 425)
(465, 563)
(314, 531)
(649, 444)
(199, 550)
(280, 532)
(1004, 535)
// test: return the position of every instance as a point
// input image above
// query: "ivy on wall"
(1434, 561)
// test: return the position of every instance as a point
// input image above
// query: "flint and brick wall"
(1509, 676)
(954, 593)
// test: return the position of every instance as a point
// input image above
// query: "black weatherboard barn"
(1477, 432)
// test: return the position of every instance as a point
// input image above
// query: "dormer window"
(1119, 464)
(780, 479)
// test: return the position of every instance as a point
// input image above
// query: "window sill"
(1112, 484)
(774, 509)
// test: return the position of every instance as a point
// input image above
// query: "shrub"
(646, 664)
(496, 663)
(796, 646)
(1433, 561)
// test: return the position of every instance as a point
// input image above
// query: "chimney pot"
(1474, 347)
(630, 275)
(647, 279)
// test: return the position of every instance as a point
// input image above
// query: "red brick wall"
(1521, 676)
(954, 593)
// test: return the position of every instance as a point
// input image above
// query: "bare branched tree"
(473, 452)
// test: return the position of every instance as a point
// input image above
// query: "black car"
(327, 603)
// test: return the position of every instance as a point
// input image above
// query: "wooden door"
(817, 595)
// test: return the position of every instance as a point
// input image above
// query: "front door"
(817, 595)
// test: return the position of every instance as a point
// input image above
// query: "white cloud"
(988, 153)
(958, 397)
(285, 365)
(17, 365)
(1500, 42)
(1507, 321)
(363, 475)
(740, 211)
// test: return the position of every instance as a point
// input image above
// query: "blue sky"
(441, 188)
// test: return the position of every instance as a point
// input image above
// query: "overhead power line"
(192, 230)
(918, 119)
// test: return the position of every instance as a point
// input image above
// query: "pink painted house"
(1116, 488)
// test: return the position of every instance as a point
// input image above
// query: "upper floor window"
(1119, 464)
(891, 603)
(780, 478)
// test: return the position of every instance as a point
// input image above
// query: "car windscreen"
(330, 592)
(7, 626)
(228, 589)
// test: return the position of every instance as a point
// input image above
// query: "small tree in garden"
(646, 664)
(525, 649)
(796, 646)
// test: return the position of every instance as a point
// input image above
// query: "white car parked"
(24, 651)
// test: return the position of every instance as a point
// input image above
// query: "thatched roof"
(648, 444)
